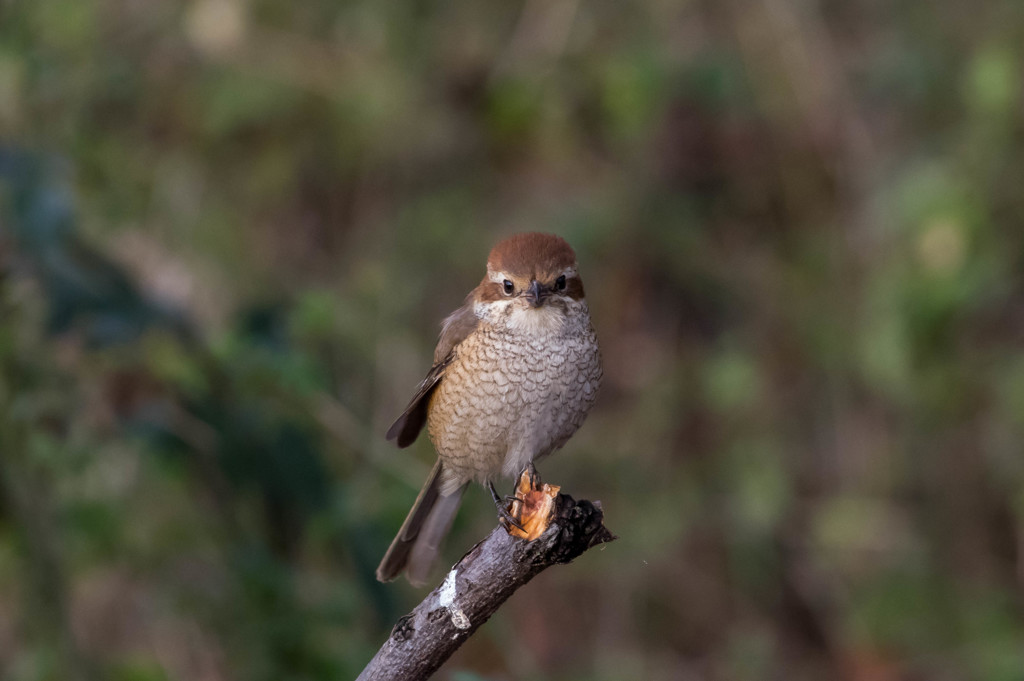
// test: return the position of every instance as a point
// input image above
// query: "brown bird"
(516, 370)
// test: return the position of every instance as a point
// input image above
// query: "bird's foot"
(534, 477)
(505, 517)
(532, 505)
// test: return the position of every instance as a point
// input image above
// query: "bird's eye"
(508, 287)
(560, 283)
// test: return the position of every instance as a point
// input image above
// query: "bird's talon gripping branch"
(533, 506)
(507, 519)
(509, 522)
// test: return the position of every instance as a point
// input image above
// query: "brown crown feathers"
(531, 257)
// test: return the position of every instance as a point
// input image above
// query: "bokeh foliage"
(230, 228)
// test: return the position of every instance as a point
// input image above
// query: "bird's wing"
(455, 328)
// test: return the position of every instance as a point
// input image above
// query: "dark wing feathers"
(454, 330)
(407, 426)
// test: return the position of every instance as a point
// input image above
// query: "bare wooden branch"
(477, 586)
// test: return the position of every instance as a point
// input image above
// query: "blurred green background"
(231, 227)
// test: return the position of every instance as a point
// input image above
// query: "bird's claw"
(505, 518)
(508, 521)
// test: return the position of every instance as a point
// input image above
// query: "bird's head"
(531, 280)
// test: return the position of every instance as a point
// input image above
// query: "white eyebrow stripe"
(499, 277)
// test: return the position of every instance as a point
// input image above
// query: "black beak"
(536, 294)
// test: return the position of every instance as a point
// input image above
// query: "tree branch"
(477, 586)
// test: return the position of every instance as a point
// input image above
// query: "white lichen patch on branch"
(446, 598)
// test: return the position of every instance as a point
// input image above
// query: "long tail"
(416, 545)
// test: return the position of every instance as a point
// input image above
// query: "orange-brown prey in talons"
(533, 505)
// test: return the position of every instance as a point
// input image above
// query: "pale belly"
(505, 402)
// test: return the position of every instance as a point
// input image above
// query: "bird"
(516, 370)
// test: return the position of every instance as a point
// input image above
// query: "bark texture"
(477, 586)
